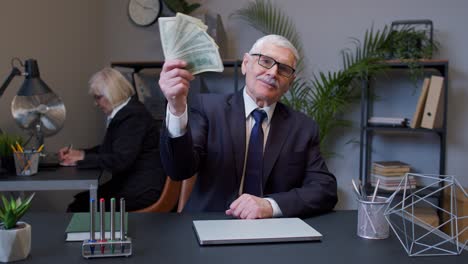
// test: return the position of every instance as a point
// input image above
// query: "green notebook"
(78, 228)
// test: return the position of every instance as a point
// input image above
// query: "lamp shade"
(33, 84)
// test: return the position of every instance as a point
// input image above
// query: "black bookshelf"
(368, 131)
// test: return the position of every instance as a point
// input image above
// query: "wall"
(65, 37)
(95, 33)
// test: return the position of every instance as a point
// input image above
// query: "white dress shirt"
(116, 110)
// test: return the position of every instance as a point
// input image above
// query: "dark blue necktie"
(254, 165)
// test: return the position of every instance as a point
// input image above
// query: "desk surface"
(169, 238)
(60, 178)
(53, 174)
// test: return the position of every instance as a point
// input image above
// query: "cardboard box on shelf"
(462, 210)
(428, 215)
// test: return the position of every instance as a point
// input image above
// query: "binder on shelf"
(433, 114)
(416, 121)
(426, 215)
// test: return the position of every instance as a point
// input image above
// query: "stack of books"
(390, 174)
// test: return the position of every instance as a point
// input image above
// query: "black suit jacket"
(294, 173)
(130, 152)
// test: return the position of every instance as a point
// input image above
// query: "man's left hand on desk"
(250, 207)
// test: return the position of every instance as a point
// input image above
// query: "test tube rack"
(115, 248)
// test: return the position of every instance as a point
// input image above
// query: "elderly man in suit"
(255, 157)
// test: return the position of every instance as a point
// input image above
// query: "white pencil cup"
(371, 220)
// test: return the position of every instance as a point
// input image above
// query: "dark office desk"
(60, 178)
(169, 238)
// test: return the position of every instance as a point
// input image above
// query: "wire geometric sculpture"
(418, 237)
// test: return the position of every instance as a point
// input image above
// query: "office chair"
(168, 199)
(186, 190)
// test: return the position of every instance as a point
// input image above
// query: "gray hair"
(111, 84)
(276, 40)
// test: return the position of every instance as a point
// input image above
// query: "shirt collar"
(250, 105)
(117, 108)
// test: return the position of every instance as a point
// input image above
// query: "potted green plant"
(15, 236)
(410, 45)
(6, 152)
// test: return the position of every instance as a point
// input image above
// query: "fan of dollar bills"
(184, 37)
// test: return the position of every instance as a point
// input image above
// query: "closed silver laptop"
(238, 231)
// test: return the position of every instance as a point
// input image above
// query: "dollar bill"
(202, 61)
(167, 31)
(185, 37)
(199, 41)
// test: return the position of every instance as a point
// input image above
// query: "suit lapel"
(235, 113)
(276, 137)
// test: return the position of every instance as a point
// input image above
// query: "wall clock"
(144, 12)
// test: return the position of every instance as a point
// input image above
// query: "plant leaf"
(6, 204)
(28, 201)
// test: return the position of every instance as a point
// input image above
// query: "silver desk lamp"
(35, 108)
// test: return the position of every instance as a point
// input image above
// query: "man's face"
(103, 104)
(264, 85)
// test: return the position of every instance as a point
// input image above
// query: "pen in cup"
(28, 164)
(356, 190)
(40, 148)
(375, 190)
(19, 148)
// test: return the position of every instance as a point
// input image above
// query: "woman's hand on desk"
(64, 164)
(69, 157)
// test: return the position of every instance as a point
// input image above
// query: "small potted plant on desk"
(15, 236)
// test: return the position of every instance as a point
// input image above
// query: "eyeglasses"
(269, 62)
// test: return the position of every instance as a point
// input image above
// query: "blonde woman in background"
(129, 150)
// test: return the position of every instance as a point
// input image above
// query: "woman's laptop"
(237, 231)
